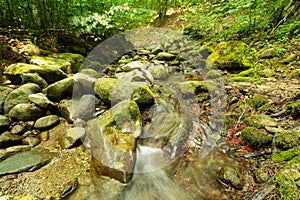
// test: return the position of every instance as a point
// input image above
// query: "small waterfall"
(150, 182)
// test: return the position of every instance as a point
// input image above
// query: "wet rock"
(287, 139)
(158, 72)
(27, 161)
(260, 121)
(230, 56)
(34, 78)
(50, 74)
(4, 153)
(4, 123)
(20, 95)
(85, 108)
(4, 91)
(8, 139)
(31, 141)
(66, 110)
(60, 89)
(113, 141)
(72, 137)
(255, 138)
(46, 122)
(165, 56)
(113, 90)
(42, 101)
(25, 112)
(231, 176)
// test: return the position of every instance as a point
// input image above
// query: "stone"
(192, 87)
(34, 78)
(74, 58)
(25, 112)
(158, 72)
(135, 65)
(8, 139)
(213, 74)
(4, 123)
(49, 73)
(31, 141)
(85, 108)
(255, 138)
(72, 137)
(165, 56)
(20, 95)
(229, 56)
(4, 91)
(85, 84)
(113, 141)
(112, 91)
(18, 129)
(60, 89)
(287, 139)
(46, 122)
(66, 109)
(41, 100)
(136, 75)
(268, 53)
(231, 176)
(27, 161)
(4, 153)
(260, 121)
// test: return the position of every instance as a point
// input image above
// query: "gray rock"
(158, 72)
(91, 73)
(72, 136)
(4, 153)
(135, 65)
(112, 91)
(84, 84)
(66, 110)
(4, 91)
(46, 122)
(18, 129)
(42, 101)
(165, 56)
(31, 141)
(60, 90)
(34, 78)
(25, 112)
(8, 139)
(49, 73)
(85, 108)
(27, 161)
(20, 95)
(113, 141)
(4, 123)
(136, 75)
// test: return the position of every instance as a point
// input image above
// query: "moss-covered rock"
(286, 155)
(255, 138)
(113, 140)
(213, 74)
(260, 121)
(287, 139)
(230, 56)
(257, 101)
(294, 108)
(197, 87)
(112, 90)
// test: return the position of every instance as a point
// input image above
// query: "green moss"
(255, 138)
(242, 79)
(213, 74)
(286, 155)
(287, 186)
(260, 121)
(287, 139)
(257, 101)
(294, 107)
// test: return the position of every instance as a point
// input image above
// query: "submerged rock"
(113, 141)
(231, 176)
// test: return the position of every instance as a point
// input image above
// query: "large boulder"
(112, 90)
(20, 95)
(60, 90)
(230, 56)
(25, 112)
(113, 141)
(50, 73)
